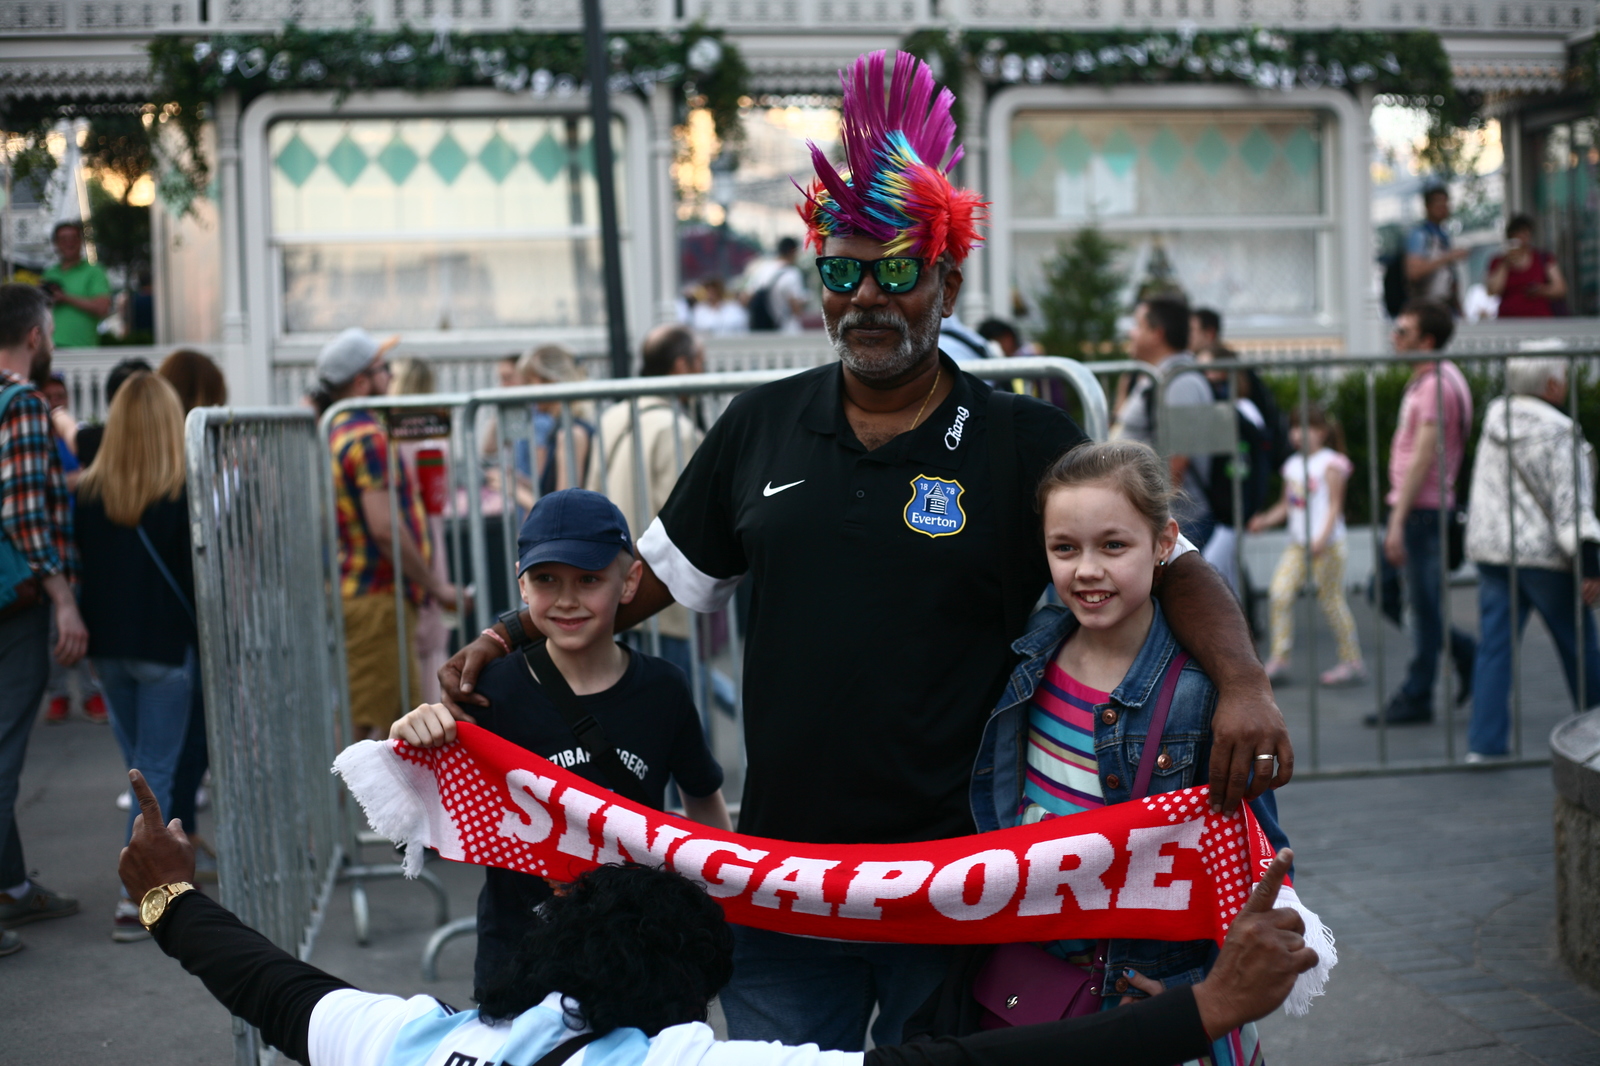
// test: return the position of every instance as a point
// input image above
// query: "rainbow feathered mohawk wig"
(898, 152)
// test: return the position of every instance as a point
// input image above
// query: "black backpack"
(1396, 286)
(1254, 456)
(762, 320)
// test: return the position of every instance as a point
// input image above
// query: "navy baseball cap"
(573, 526)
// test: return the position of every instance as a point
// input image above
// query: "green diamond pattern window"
(398, 159)
(448, 158)
(498, 157)
(296, 160)
(347, 160)
(1179, 184)
(433, 223)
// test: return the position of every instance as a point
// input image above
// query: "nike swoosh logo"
(770, 491)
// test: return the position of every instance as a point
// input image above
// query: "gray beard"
(917, 339)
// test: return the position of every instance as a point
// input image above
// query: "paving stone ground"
(1437, 886)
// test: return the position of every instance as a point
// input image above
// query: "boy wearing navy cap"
(575, 566)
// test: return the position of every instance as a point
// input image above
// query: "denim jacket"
(999, 773)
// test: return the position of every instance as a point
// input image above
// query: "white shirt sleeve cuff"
(689, 585)
(1178, 549)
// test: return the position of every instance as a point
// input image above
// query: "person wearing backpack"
(132, 521)
(777, 292)
(38, 562)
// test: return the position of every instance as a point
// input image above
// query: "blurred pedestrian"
(714, 313)
(666, 438)
(199, 383)
(424, 462)
(1528, 280)
(546, 464)
(58, 690)
(353, 365)
(40, 560)
(1314, 481)
(79, 289)
(198, 380)
(1524, 488)
(1436, 401)
(132, 520)
(90, 435)
(776, 295)
(1430, 257)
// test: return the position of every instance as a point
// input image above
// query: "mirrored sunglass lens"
(897, 275)
(840, 275)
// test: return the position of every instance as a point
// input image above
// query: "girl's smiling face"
(1103, 554)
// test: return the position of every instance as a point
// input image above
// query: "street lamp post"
(594, 39)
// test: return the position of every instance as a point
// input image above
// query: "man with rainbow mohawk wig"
(861, 502)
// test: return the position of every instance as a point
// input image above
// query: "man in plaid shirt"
(36, 517)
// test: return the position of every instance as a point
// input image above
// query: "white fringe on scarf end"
(400, 799)
(1319, 938)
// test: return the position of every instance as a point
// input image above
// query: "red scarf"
(1162, 868)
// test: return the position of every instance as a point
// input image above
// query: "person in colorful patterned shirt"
(36, 520)
(353, 364)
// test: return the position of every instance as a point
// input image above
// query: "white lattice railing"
(1522, 17)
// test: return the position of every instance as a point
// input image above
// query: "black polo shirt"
(875, 638)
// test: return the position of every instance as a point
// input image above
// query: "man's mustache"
(872, 320)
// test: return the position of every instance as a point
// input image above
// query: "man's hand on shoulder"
(458, 678)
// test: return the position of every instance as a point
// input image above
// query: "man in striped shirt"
(36, 518)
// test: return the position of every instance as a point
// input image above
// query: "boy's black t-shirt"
(651, 719)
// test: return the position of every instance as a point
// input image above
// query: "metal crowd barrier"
(272, 668)
(492, 483)
(1212, 431)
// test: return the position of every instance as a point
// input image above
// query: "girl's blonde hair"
(1317, 418)
(412, 377)
(141, 457)
(1131, 467)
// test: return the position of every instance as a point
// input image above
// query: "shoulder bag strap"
(172, 582)
(590, 733)
(1158, 723)
(1003, 482)
(566, 1049)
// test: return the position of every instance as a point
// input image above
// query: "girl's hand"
(1149, 986)
(1318, 545)
(429, 726)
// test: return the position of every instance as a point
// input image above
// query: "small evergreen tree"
(1082, 298)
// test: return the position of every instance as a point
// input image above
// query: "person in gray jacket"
(1524, 487)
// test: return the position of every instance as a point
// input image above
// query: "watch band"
(512, 622)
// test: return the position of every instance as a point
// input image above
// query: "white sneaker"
(125, 800)
(1478, 758)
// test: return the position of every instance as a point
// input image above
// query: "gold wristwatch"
(156, 901)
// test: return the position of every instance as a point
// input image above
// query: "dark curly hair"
(626, 945)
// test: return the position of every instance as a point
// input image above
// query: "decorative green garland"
(697, 64)
(1410, 65)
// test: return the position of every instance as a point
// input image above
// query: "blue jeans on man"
(1549, 592)
(801, 990)
(1424, 588)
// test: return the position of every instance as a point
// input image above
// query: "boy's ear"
(631, 578)
(523, 589)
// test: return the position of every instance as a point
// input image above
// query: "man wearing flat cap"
(354, 364)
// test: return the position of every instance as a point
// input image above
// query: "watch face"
(153, 906)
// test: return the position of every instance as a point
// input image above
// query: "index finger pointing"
(1266, 892)
(148, 805)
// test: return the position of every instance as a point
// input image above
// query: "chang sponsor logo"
(952, 436)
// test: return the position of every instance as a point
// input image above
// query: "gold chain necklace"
(915, 421)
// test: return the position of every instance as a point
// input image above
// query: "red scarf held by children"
(1161, 868)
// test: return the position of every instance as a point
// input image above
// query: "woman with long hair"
(132, 522)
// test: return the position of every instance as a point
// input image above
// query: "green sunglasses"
(894, 274)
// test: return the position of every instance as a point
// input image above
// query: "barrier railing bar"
(1516, 628)
(1580, 637)
(1309, 591)
(1444, 517)
(1379, 688)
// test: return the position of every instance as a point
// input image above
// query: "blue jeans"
(797, 990)
(1422, 585)
(24, 669)
(150, 707)
(1550, 593)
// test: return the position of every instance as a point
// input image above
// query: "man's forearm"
(59, 591)
(1206, 620)
(1416, 471)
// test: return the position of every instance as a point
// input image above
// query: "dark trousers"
(24, 670)
(1426, 592)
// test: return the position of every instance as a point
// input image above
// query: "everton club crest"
(935, 506)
